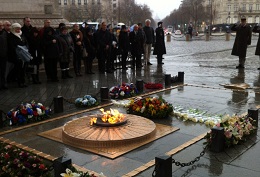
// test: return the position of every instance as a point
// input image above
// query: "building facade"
(37, 10)
(230, 11)
(90, 10)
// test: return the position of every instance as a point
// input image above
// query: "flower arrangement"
(150, 107)
(86, 101)
(123, 91)
(153, 86)
(15, 162)
(196, 115)
(236, 129)
(73, 172)
(28, 112)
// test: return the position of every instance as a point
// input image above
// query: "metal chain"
(194, 167)
(177, 163)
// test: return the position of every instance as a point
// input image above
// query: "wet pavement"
(206, 64)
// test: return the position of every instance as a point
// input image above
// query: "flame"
(111, 116)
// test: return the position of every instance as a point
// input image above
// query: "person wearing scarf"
(14, 39)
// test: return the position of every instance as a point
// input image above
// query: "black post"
(218, 139)
(167, 79)
(181, 77)
(163, 166)
(140, 85)
(58, 104)
(104, 92)
(253, 113)
(60, 164)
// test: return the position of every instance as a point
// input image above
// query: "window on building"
(73, 2)
(257, 7)
(250, 7)
(250, 19)
(235, 7)
(79, 2)
(243, 7)
(114, 6)
(229, 8)
(59, 2)
(85, 2)
(65, 2)
(257, 19)
(235, 19)
(98, 1)
(93, 1)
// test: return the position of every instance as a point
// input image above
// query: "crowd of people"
(58, 46)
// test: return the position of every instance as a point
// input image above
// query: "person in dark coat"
(15, 38)
(27, 27)
(104, 42)
(256, 29)
(67, 45)
(89, 44)
(35, 50)
(3, 57)
(52, 53)
(159, 47)
(123, 45)
(77, 38)
(114, 49)
(242, 40)
(136, 42)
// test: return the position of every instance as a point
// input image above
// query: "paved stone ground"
(206, 63)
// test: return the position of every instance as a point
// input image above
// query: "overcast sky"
(162, 8)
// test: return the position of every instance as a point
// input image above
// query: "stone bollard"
(58, 104)
(253, 113)
(163, 166)
(181, 77)
(167, 79)
(168, 36)
(227, 36)
(60, 164)
(187, 37)
(140, 85)
(207, 37)
(218, 139)
(104, 93)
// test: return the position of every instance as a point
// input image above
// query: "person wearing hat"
(14, 39)
(159, 47)
(242, 40)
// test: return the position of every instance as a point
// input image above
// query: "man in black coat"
(159, 47)
(104, 41)
(124, 45)
(26, 28)
(242, 40)
(256, 29)
(149, 34)
(136, 42)
(3, 56)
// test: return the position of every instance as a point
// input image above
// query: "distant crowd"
(59, 46)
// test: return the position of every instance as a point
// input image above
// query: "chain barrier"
(194, 167)
(183, 164)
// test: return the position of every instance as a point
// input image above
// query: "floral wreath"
(150, 107)
(153, 86)
(123, 91)
(236, 129)
(86, 101)
(27, 112)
